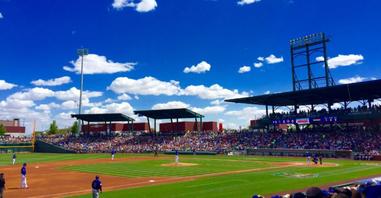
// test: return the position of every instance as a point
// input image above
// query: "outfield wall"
(43, 147)
(301, 152)
(21, 147)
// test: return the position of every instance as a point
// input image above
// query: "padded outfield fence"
(19, 147)
(300, 152)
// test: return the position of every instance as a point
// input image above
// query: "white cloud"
(272, 59)
(213, 92)
(354, 79)
(123, 107)
(124, 97)
(6, 85)
(52, 82)
(73, 94)
(209, 110)
(267, 92)
(244, 69)
(247, 2)
(96, 64)
(47, 107)
(343, 60)
(247, 113)
(258, 65)
(142, 6)
(1, 16)
(171, 105)
(201, 67)
(217, 102)
(144, 86)
(119, 4)
(69, 104)
(146, 5)
(261, 58)
(34, 94)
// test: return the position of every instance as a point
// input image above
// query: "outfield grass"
(243, 184)
(234, 185)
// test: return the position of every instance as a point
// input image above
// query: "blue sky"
(139, 51)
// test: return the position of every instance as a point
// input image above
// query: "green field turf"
(233, 185)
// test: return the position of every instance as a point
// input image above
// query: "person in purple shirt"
(23, 177)
(96, 186)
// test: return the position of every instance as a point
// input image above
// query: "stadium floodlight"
(81, 52)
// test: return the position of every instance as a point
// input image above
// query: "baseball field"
(133, 175)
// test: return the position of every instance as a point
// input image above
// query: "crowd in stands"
(358, 139)
(370, 188)
(14, 140)
(361, 109)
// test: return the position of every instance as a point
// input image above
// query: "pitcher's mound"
(180, 164)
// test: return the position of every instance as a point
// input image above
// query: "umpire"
(2, 185)
(96, 185)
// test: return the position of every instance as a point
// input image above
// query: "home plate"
(151, 180)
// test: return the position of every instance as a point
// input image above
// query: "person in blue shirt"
(96, 186)
(113, 154)
(14, 158)
(23, 177)
(177, 156)
(308, 155)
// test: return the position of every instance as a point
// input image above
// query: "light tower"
(81, 52)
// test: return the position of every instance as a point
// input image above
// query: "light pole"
(81, 52)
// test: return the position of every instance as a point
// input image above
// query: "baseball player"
(308, 155)
(177, 156)
(2, 185)
(96, 186)
(23, 177)
(14, 158)
(113, 154)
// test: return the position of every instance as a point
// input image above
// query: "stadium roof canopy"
(103, 117)
(169, 113)
(368, 90)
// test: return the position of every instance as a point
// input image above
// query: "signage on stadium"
(301, 121)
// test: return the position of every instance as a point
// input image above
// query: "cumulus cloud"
(209, 110)
(217, 102)
(124, 97)
(258, 65)
(52, 82)
(142, 6)
(96, 64)
(201, 67)
(73, 94)
(343, 60)
(1, 16)
(247, 113)
(6, 85)
(47, 107)
(171, 105)
(144, 86)
(34, 94)
(261, 58)
(123, 107)
(247, 2)
(272, 59)
(213, 92)
(244, 69)
(350, 80)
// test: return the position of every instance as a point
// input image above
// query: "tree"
(74, 128)
(2, 130)
(53, 129)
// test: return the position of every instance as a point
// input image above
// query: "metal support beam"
(267, 111)
(149, 126)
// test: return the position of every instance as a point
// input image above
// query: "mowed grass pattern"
(262, 182)
(154, 168)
